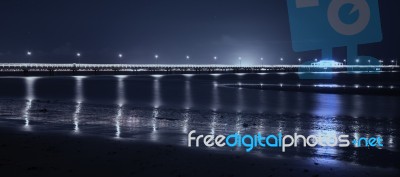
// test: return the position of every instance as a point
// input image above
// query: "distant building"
(327, 63)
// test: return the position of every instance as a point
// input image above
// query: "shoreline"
(336, 89)
(25, 153)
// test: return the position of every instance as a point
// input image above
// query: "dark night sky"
(56, 29)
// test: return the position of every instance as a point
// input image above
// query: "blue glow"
(327, 85)
(327, 63)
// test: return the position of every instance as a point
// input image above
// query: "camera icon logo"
(349, 29)
(326, 24)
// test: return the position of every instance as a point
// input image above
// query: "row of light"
(318, 85)
(156, 56)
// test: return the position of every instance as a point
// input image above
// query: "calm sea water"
(164, 108)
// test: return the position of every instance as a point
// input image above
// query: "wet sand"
(133, 126)
(24, 153)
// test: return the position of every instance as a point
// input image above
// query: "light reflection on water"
(213, 123)
(215, 97)
(239, 124)
(79, 98)
(30, 96)
(222, 110)
(186, 121)
(76, 117)
(118, 122)
(240, 100)
(157, 92)
(188, 95)
(26, 113)
(120, 101)
(327, 104)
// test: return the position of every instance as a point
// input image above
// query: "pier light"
(187, 59)
(120, 58)
(156, 58)
(78, 55)
(29, 53)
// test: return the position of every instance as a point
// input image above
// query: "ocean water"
(164, 108)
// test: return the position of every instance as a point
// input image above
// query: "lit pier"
(73, 67)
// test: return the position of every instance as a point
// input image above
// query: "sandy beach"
(25, 153)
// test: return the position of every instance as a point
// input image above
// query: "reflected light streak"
(260, 126)
(157, 76)
(186, 120)
(30, 96)
(79, 98)
(356, 128)
(215, 97)
(26, 112)
(238, 126)
(188, 95)
(30, 84)
(79, 88)
(154, 119)
(76, 117)
(390, 142)
(118, 122)
(298, 125)
(215, 75)
(261, 101)
(188, 104)
(156, 106)
(120, 102)
(240, 100)
(280, 126)
(157, 94)
(213, 123)
(188, 75)
(154, 134)
(121, 91)
(357, 105)
(327, 104)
